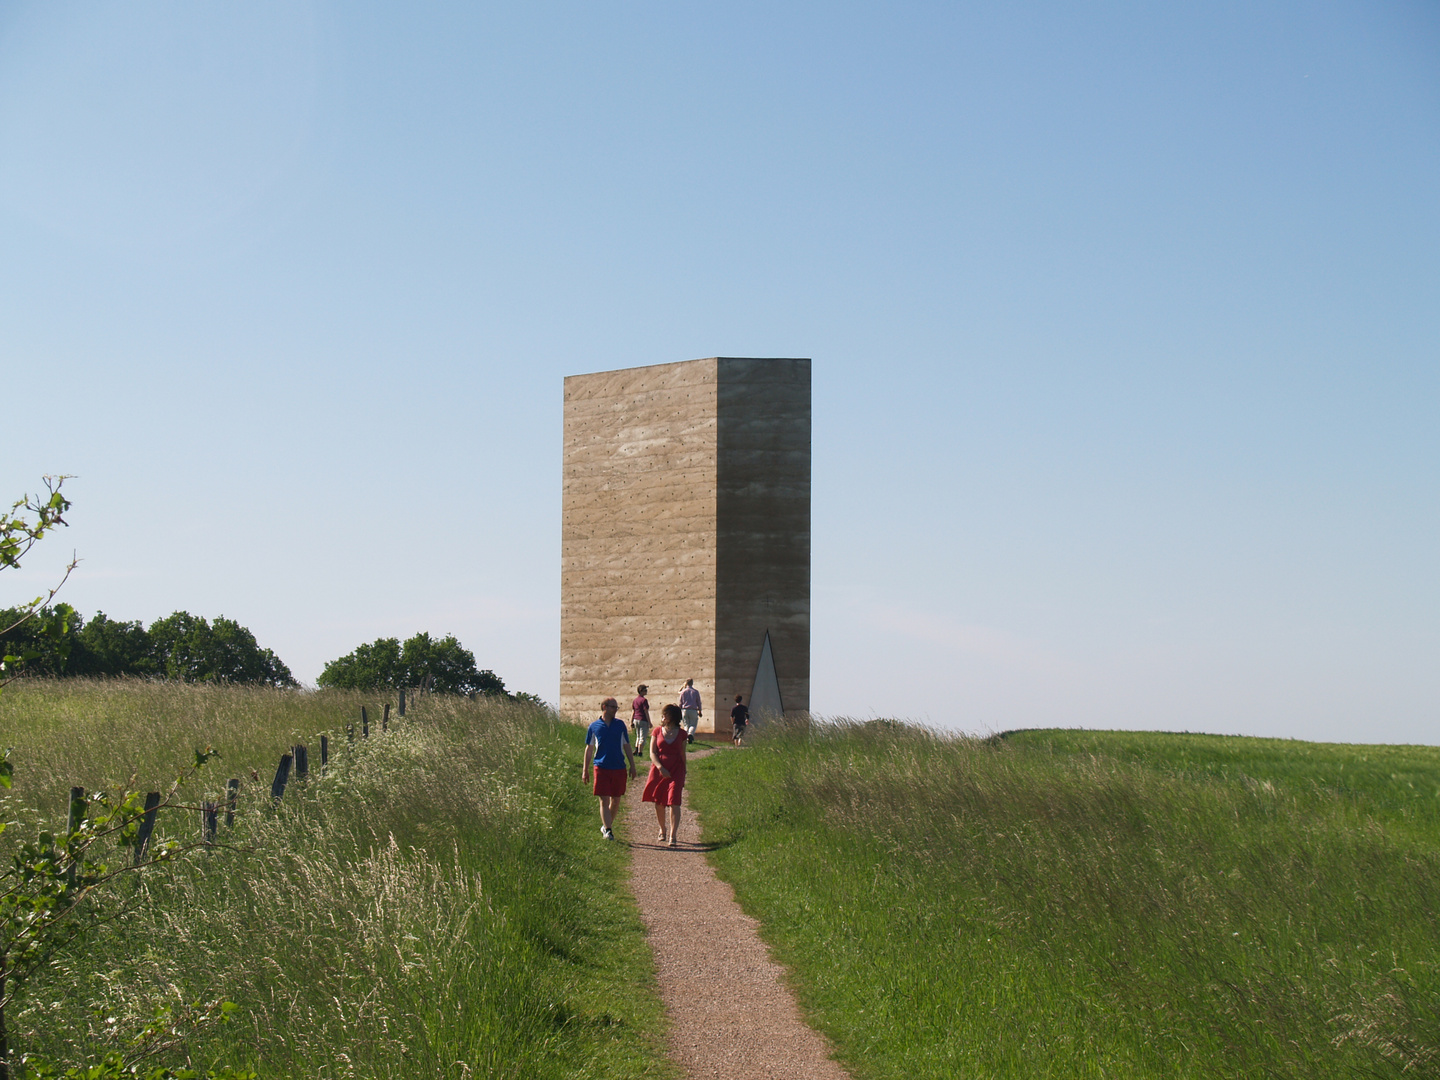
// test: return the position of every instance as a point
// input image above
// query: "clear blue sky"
(1125, 321)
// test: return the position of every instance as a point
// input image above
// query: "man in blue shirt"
(607, 744)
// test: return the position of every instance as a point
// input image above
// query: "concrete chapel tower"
(685, 537)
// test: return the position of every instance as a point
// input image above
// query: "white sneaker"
(607, 834)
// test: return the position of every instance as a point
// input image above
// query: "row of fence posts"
(296, 763)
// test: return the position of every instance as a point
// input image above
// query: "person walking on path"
(739, 717)
(640, 718)
(666, 781)
(607, 744)
(690, 706)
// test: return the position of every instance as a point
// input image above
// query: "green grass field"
(439, 904)
(1083, 904)
(1047, 904)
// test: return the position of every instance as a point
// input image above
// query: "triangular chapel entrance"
(765, 694)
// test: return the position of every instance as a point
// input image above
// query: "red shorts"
(609, 781)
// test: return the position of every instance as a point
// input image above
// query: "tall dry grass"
(437, 904)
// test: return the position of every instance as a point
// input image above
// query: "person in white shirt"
(690, 709)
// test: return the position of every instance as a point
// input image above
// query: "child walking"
(667, 774)
(739, 717)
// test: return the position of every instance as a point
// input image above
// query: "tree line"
(57, 641)
(181, 647)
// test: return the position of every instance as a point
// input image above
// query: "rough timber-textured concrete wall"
(637, 542)
(685, 532)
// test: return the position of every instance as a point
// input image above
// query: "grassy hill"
(1076, 904)
(1043, 904)
(438, 904)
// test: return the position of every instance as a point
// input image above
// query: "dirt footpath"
(732, 1016)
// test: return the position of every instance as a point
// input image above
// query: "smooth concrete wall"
(685, 533)
(763, 535)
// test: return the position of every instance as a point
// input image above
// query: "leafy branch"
(165, 1031)
(57, 886)
(19, 532)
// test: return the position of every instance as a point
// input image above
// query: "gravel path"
(732, 1015)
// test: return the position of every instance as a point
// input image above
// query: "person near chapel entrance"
(607, 745)
(640, 718)
(690, 709)
(739, 717)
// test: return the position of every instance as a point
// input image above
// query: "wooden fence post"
(402, 702)
(364, 723)
(232, 797)
(147, 825)
(350, 732)
(302, 761)
(72, 822)
(385, 719)
(324, 753)
(282, 777)
(209, 820)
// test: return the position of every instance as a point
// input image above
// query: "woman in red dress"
(667, 773)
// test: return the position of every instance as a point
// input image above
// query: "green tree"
(386, 664)
(446, 666)
(57, 641)
(187, 648)
(39, 640)
(375, 666)
(106, 646)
